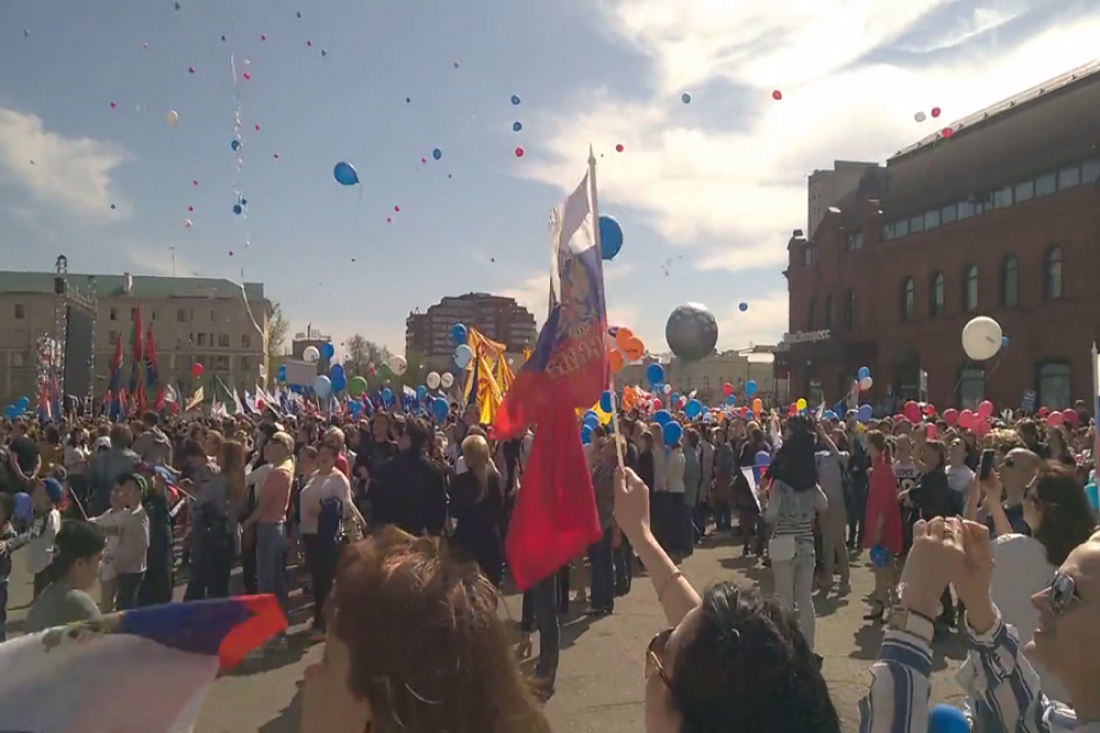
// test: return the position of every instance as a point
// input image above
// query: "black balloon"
(691, 332)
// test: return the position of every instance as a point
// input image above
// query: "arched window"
(970, 288)
(936, 293)
(1010, 281)
(830, 312)
(1053, 381)
(907, 295)
(850, 310)
(1052, 273)
(971, 387)
(811, 315)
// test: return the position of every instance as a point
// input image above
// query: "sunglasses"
(654, 657)
(1061, 594)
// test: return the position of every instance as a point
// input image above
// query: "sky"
(707, 192)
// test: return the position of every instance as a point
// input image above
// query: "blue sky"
(707, 192)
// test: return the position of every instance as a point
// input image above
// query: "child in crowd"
(111, 522)
(48, 494)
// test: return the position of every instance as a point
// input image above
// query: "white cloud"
(735, 187)
(161, 262)
(763, 323)
(74, 173)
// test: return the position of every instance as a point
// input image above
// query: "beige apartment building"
(201, 320)
(708, 376)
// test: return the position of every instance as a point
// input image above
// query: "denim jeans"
(271, 560)
(210, 570)
(624, 566)
(723, 516)
(129, 584)
(321, 556)
(540, 610)
(603, 573)
(794, 584)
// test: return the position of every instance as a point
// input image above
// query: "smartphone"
(986, 465)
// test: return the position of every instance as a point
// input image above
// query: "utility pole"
(173, 251)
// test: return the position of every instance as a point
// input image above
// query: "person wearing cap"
(128, 555)
(39, 539)
(73, 572)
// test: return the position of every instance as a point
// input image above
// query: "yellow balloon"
(173, 117)
(801, 404)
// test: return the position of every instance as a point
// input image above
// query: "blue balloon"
(662, 417)
(830, 415)
(344, 174)
(24, 510)
(655, 373)
(743, 307)
(880, 556)
(750, 387)
(237, 209)
(337, 370)
(611, 237)
(674, 400)
(459, 333)
(280, 373)
(947, 719)
(762, 459)
(586, 434)
(236, 145)
(864, 413)
(355, 407)
(685, 98)
(421, 393)
(387, 395)
(322, 386)
(693, 409)
(339, 382)
(863, 372)
(515, 99)
(23, 402)
(440, 408)
(463, 356)
(437, 153)
(517, 126)
(731, 400)
(672, 433)
(327, 351)
(1004, 341)
(606, 400)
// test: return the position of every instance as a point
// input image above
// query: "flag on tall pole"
(113, 398)
(137, 389)
(152, 371)
(555, 517)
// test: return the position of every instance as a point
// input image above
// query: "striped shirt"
(792, 512)
(996, 676)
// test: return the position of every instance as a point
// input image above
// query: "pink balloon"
(981, 426)
(656, 403)
(912, 411)
(1070, 416)
(929, 409)
(950, 416)
(1056, 419)
(930, 431)
(985, 409)
(966, 419)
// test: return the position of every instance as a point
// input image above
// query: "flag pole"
(594, 200)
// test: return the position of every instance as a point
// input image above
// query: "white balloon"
(865, 384)
(447, 380)
(463, 356)
(668, 389)
(398, 365)
(982, 338)
(433, 380)
(919, 117)
(173, 117)
(311, 355)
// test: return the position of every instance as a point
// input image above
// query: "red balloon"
(519, 154)
(985, 409)
(967, 419)
(619, 148)
(190, 69)
(190, 208)
(947, 132)
(950, 415)
(777, 95)
(257, 128)
(247, 76)
(194, 183)
(929, 409)
(397, 208)
(113, 105)
(309, 43)
(656, 403)
(196, 370)
(912, 411)
(263, 37)
(727, 389)
(935, 111)
(230, 253)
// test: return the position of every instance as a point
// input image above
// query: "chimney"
(128, 283)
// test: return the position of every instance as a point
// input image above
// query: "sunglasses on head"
(1061, 593)
(655, 655)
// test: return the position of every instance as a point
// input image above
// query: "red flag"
(555, 518)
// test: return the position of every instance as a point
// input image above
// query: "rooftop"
(144, 287)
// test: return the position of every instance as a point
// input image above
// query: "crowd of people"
(401, 523)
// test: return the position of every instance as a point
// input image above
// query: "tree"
(362, 354)
(277, 327)
(418, 369)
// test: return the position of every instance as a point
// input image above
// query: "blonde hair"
(336, 435)
(231, 460)
(475, 452)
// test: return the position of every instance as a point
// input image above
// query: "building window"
(966, 209)
(221, 363)
(1053, 381)
(811, 315)
(202, 339)
(181, 315)
(1025, 191)
(1010, 281)
(153, 315)
(246, 364)
(949, 213)
(113, 313)
(1090, 171)
(855, 242)
(887, 232)
(213, 316)
(971, 387)
(133, 315)
(112, 337)
(932, 219)
(907, 290)
(1046, 184)
(970, 287)
(1069, 177)
(830, 312)
(1052, 273)
(850, 310)
(936, 293)
(223, 340)
(984, 204)
(20, 311)
(809, 254)
(1003, 199)
(246, 341)
(19, 359)
(916, 224)
(901, 228)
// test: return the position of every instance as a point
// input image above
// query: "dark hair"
(121, 436)
(192, 449)
(1068, 518)
(151, 419)
(329, 446)
(7, 506)
(748, 668)
(794, 463)
(418, 436)
(76, 540)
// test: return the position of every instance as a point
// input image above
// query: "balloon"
(743, 307)
(863, 373)
(655, 373)
(339, 382)
(830, 415)
(693, 409)
(344, 174)
(800, 405)
(336, 371)
(982, 338)
(661, 417)
(919, 117)
(674, 397)
(865, 384)
(635, 349)
(667, 389)
(727, 389)
(311, 355)
(327, 351)
(432, 380)
(611, 237)
(691, 332)
(623, 335)
(387, 395)
(421, 393)
(607, 399)
(236, 145)
(459, 333)
(758, 405)
(912, 411)
(322, 386)
(750, 388)
(238, 209)
(685, 98)
(515, 99)
(1056, 419)
(173, 117)
(519, 152)
(24, 510)
(196, 370)
(280, 373)
(517, 126)
(985, 409)
(446, 380)
(731, 400)
(1071, 417)
(950, 415)
(935, 111)
(586, 434)
(966, 419)
(615, 361)
(357, 386)
(880, 556)
(437, 153)
(463, 356)
(656, 403)
(947, 719)
(672, 432)
(777, 95)
(398, 365)
(865, 413)
(440, 408)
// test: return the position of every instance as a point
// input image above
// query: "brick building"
(497, 317)
(998, 215)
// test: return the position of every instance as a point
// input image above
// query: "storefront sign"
(803, 337)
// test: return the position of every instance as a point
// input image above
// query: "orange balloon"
(623, 336)
(615, 360)
(757, 405)
(635, 349)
